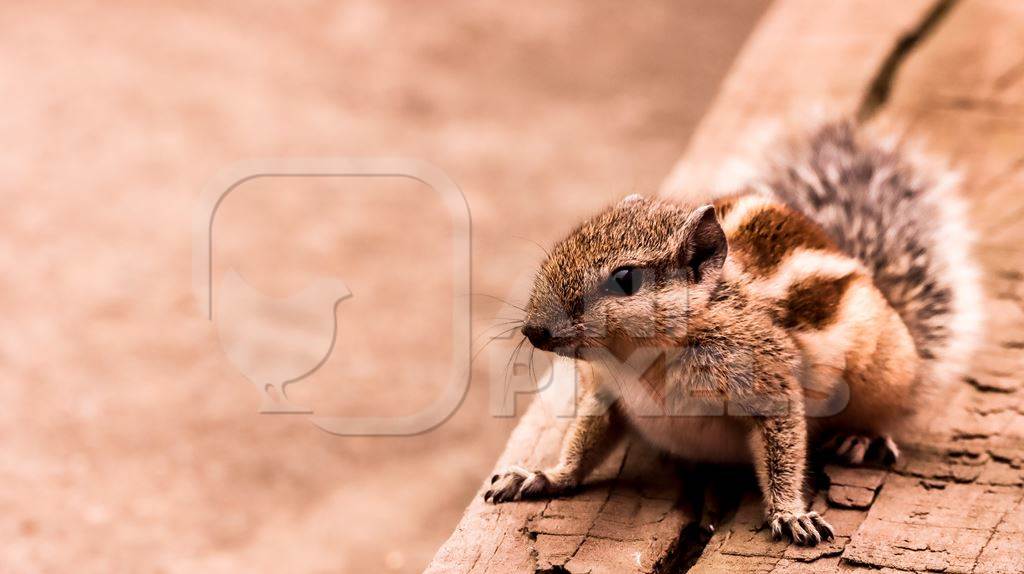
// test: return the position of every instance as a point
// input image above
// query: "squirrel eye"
(624, 281)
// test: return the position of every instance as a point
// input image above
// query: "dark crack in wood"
(881, 87)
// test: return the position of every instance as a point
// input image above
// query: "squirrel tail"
(900, 215)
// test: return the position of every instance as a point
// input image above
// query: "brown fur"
(744, 324)
(813, 303)
(724, 205)
(881, 366)
(769, 235)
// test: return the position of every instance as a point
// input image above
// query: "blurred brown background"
(131, 443)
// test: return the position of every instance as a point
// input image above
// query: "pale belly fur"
(719, 439)
(710, 436)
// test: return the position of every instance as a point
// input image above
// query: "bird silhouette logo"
(277, 341)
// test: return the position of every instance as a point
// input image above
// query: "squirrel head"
(632, 275)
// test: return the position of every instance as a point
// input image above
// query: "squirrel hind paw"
(855, 449)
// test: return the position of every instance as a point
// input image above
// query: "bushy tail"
(904, 220)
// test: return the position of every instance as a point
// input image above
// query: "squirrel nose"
(538, 335)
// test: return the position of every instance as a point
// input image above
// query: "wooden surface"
(806, 58)
(952, 73)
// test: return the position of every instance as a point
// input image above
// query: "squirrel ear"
(703, 247)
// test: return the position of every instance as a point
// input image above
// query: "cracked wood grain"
(804, 59)
(631, 517)
(881, 87)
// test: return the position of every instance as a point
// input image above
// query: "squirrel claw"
(515, 484)
(804, 528)
(855, 449)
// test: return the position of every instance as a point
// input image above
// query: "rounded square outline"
(451, 397)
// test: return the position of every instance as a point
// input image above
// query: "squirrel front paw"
(516, 483)
(804, 528)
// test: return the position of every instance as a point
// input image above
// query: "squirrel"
(827, 297)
